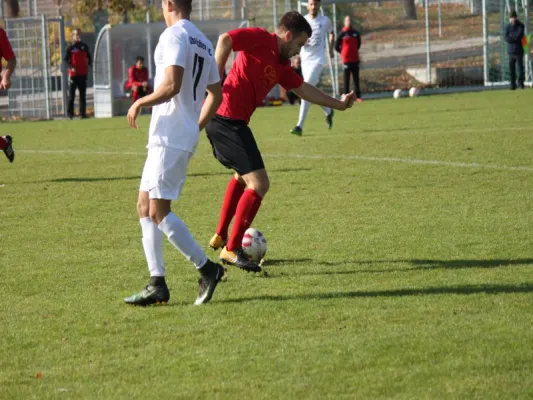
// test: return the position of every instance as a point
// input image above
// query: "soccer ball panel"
(254, 244)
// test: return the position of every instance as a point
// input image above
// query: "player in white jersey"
(185, 69)
(313, 58)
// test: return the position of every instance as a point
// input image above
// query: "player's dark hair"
(184, 5)
(140, 58)
(295, 22)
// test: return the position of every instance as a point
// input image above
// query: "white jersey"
(314, 51)
(174, 124)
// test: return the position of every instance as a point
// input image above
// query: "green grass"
(388, 277)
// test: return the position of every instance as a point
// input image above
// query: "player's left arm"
(331, 39)
(174, 53)
(214, 97)
(331, 44)
(316, 96)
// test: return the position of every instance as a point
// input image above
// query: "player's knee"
(260, 186)
(155, 216)
(143, 209)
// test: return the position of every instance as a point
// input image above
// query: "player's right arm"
(214, 97)
(242, 39)
(175, 59)
(316, 96)
(222, 52)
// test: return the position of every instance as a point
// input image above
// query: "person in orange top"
(138, 79)
(6, 52)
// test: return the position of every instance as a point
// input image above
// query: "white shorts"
(311, 73)
(164, 172)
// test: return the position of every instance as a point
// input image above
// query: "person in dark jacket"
(513, 36)
(78, 60)
(348, 44)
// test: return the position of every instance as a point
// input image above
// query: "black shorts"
(234, 145)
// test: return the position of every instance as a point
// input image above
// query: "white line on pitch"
(85, 152)
(314, 157)
(402, 160)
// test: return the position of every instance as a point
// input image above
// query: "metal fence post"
(275, 12)
(64, 72)
(440, 17)
(485, 42)
(46, 64)
(526, 31)
(428, 49)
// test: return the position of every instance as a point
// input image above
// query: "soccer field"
(400, 260)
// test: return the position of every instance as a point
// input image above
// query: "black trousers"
(80, 83)
(515, 59)
(293, 98)
(353, 69)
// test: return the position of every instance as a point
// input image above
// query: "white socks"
(304, 109)
(153, 246)
(181, 238)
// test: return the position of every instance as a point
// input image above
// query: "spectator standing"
(100, 18)
(6, 52)
(78, 60)
(348, 44)
(513, 36)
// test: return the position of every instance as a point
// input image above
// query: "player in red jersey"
(262, 62)
(6, 52)
(138, 79)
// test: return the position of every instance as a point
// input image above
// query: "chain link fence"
(38, 89)
(452, 45)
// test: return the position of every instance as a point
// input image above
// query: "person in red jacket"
(6, 52)
(348, 44)
(78, 60)
(138, 79)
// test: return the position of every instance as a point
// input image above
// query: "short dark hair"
(513, 14)
(295, 22)
(184, 5)
(139, 58)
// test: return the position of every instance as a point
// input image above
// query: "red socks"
(246, 210)
(3, 143)
(229, 206)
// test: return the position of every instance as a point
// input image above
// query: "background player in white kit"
(185, 69)
(313, 58)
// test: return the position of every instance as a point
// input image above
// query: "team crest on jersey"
(270, 75)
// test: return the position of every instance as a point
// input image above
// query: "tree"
(12, 8)
(409, 9)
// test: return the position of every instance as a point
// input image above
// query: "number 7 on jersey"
(197, 73)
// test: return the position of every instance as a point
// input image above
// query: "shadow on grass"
(138, 177)
(417, 264)
(461, 290)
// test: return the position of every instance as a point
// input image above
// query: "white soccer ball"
(254, 244)
(397, 93)
(413, 92)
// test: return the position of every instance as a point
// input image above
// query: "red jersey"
(256, 70)
(78, 59)
(348, 44)
(6, 52)
(136, 76)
